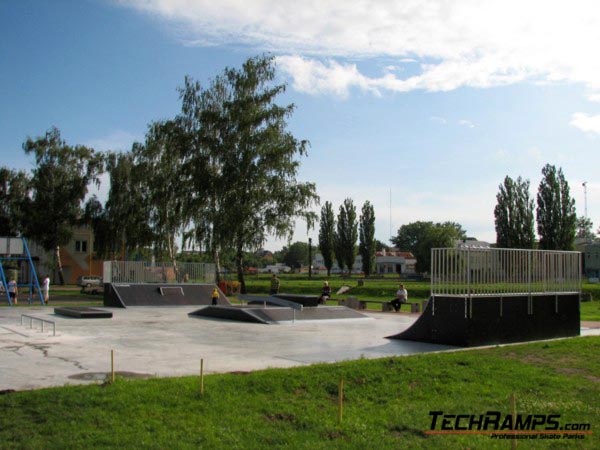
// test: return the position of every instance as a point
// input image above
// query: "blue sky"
(433, 102)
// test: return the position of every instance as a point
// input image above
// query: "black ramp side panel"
(111, 297)
(304, 300)
(277, 314)
(123, 295)
(490, 320)
(238, 314)
(83, 312)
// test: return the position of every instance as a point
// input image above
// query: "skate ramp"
(123, 295)
(460, 321)
(277, 314)
(83, 312)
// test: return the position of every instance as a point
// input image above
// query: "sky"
(421, 107)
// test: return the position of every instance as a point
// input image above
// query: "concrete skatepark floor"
(164, 341)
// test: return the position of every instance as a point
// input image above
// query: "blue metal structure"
(31, 282)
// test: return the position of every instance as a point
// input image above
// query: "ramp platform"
(277, 314)
(123, 295)
(83, 312)
(476, 321)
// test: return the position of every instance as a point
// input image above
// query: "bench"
(354, 303)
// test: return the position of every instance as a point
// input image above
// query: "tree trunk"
(58, 264)
(240, 270)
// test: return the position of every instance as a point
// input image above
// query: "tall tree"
(327, 235)
(123, 224)
(556, 217)
(252, 158)
(514, 215)
(14, 194)
(59, 185)
(347, 235)
(367, 243)
(420, 237)
(204, 121)
(167, 190)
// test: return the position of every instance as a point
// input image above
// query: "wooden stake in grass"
(112, 366)
(341, 400)
(202, 377)
(513, 411)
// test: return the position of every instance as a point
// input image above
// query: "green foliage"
(556, 217)
(245, 161)
(296, 255)
(14, 194)
(59, 185)
(122, 225)
(327, 235)
(346, 235)
(387, 403)
(585, 228)
(514, 215)
(166, 192)
(366, 246)
(420, 237)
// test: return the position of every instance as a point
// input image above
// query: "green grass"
(387, 403)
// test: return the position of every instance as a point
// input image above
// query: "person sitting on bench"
(325, 293)
(401, 297)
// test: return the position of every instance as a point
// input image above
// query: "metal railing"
(157, 272)
(32, 318)
(497, 271)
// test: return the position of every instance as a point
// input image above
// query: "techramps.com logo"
(499, 426)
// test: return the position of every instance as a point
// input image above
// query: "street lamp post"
(309, 257)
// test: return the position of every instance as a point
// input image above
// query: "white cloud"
(586, 123)
(437, 119)
(462, 43)
(466, 123)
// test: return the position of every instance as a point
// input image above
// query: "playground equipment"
(482, 296)
(14, 251)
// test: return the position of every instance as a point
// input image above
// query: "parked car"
(89, 281)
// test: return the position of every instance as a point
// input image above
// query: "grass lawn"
(387, 403)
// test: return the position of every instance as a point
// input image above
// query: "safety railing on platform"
(157, 272)
(497, 271)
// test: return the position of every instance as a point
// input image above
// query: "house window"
(81, 246)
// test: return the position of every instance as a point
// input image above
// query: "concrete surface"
(164, 341)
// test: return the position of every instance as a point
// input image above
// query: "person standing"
(13, 290)
(46, 289)
(215, 296)
(401, 297)
(274, 284)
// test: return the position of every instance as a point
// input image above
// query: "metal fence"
(157, 272)
(496, 271)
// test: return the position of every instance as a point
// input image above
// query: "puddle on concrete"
(103, 376)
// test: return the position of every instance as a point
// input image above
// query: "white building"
(385, 262)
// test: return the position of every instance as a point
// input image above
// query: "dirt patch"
(103, 376)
